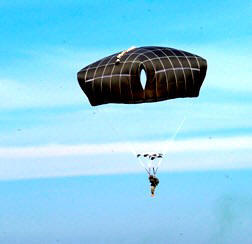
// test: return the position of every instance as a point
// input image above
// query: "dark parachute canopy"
(151, 156)
(170, 73)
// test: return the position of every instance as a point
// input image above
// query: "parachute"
(151, 156)
(170, 74)
(153, 161)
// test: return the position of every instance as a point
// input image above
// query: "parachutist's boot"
(152, 191)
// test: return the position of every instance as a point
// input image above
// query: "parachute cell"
(170, 73)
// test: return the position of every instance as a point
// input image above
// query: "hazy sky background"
(66, 169)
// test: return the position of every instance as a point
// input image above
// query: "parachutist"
(154, 181)
(103, 83)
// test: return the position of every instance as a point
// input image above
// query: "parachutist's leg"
(152, 191)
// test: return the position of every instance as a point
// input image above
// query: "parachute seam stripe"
(186, 68)
(175, 75)
(169, 57)
(111, 71)
(93, 76)
(121, 70)
(196, 57)
(97, 77)
(197, 61)
(182, 70)
(100, 66)
(108, 76)
(190, 67)
(147, 58)
(130, 69)
(165, 75)
(104, 72)
(154, 70)
(110, 80)
(88, 68)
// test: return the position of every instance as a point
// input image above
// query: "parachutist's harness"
(154, 181)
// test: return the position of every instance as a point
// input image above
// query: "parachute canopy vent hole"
(143, 78)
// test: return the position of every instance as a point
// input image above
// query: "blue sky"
(49, 130)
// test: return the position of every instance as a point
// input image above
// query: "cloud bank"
(93, 159)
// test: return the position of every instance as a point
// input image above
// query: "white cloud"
(68, 160)
(218, 144)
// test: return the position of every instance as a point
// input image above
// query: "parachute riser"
(151, 165)
(151, 171)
